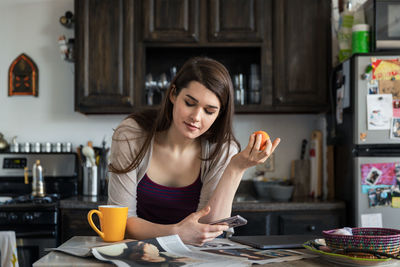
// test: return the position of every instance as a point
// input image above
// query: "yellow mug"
(112, 222)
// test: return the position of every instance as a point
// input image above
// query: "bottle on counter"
(38, 186)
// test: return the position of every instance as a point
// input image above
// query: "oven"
(35, 220)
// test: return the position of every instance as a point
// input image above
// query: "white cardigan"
(122, 188)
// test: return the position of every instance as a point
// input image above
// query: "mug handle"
(90, 220)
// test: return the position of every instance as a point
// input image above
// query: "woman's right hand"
(195, 233)
(251, 155)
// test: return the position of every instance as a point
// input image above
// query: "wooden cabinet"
(290, 222)
(302, 58)
(182, 21)
(119, 42)
(297, 223)
(171, 21)
(236, 20)
(104, 68)
(74, 222)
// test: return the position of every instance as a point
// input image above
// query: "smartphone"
(232, 221)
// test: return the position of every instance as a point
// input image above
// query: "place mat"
(345, 260)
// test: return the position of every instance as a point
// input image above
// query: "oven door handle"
(36, 234)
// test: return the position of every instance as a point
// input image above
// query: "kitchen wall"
(32, 27)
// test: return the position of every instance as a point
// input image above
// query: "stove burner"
(51, 198)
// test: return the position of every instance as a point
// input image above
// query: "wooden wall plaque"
(23, 77)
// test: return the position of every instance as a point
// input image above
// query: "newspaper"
(83, 245)
(171, 251)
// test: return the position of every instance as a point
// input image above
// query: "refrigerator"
(365, 96)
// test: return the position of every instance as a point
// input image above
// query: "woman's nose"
(196, 114)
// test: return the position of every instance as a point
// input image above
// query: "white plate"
(344, 260)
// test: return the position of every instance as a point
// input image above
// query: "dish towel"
(8, 249)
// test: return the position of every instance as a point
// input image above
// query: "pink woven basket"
(379, 239)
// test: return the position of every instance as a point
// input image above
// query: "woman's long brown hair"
(215, 77)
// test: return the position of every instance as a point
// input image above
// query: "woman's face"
(151, 253)
(195, 110)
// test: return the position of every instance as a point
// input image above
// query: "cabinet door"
(302, 53)
(74, 222)
(299, 224)
(258, 223)
(104, 72)
(171, 21)
(236, 20)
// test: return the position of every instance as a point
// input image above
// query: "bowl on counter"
(282, 192)
(264, 188)
(273, 190)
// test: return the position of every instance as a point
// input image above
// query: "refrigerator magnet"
(363, 136)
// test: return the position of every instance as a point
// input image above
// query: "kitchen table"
(59, 259)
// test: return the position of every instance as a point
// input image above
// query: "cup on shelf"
(239, 81)
(254, 85)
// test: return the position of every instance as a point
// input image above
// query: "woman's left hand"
(251, 155)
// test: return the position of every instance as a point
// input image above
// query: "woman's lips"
(191, 126)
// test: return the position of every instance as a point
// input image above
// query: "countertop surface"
(61, 259)
(89, 202)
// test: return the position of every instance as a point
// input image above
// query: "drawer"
(258, 223)
(297, 224)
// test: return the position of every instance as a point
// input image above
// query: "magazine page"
(161, 251)
(257, 256)
(81, 246)
(226, 247)
(218, 243)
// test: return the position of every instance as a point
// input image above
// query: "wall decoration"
(23, 77)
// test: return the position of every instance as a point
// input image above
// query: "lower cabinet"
(289, 222)
(295, 224)
(74, 223)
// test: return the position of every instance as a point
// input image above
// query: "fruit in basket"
(264, 138)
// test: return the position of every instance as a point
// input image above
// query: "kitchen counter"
(299, 204)
(61, 259)
(86, 202)
(83, 202)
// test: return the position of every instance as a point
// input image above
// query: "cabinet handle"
(215, 34)
(279, 99)
(311, 228)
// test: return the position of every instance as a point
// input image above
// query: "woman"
(178, 168)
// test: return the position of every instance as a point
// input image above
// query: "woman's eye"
(189, 104)
(208, 112)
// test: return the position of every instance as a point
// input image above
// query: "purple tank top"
(166, 205)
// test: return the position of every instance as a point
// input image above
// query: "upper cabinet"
(126, 48)
(195, 21)
(302, 58)
(235, 20)
(171, 21)
(104, 67)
